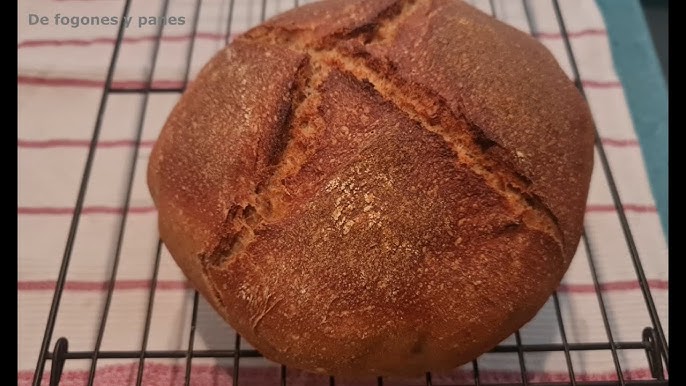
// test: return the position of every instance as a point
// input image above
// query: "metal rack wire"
(652, 339)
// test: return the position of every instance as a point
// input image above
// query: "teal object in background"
(644, 84)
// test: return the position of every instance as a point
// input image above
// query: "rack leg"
(58, 358)
(653, 350)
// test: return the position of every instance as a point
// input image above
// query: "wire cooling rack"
(651, 339)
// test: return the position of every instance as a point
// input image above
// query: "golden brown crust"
(385, 201)
(354, 280)
(216, 147)
(327, 18)
(511, 88)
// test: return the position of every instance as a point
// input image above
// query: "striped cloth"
(62, 71)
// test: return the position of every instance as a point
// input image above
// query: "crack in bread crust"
(346, 52)
(457, 132)
(242, 219)
(460, 137)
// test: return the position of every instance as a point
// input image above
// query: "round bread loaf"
(375, 187)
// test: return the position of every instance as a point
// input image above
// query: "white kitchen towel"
(63, 63)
